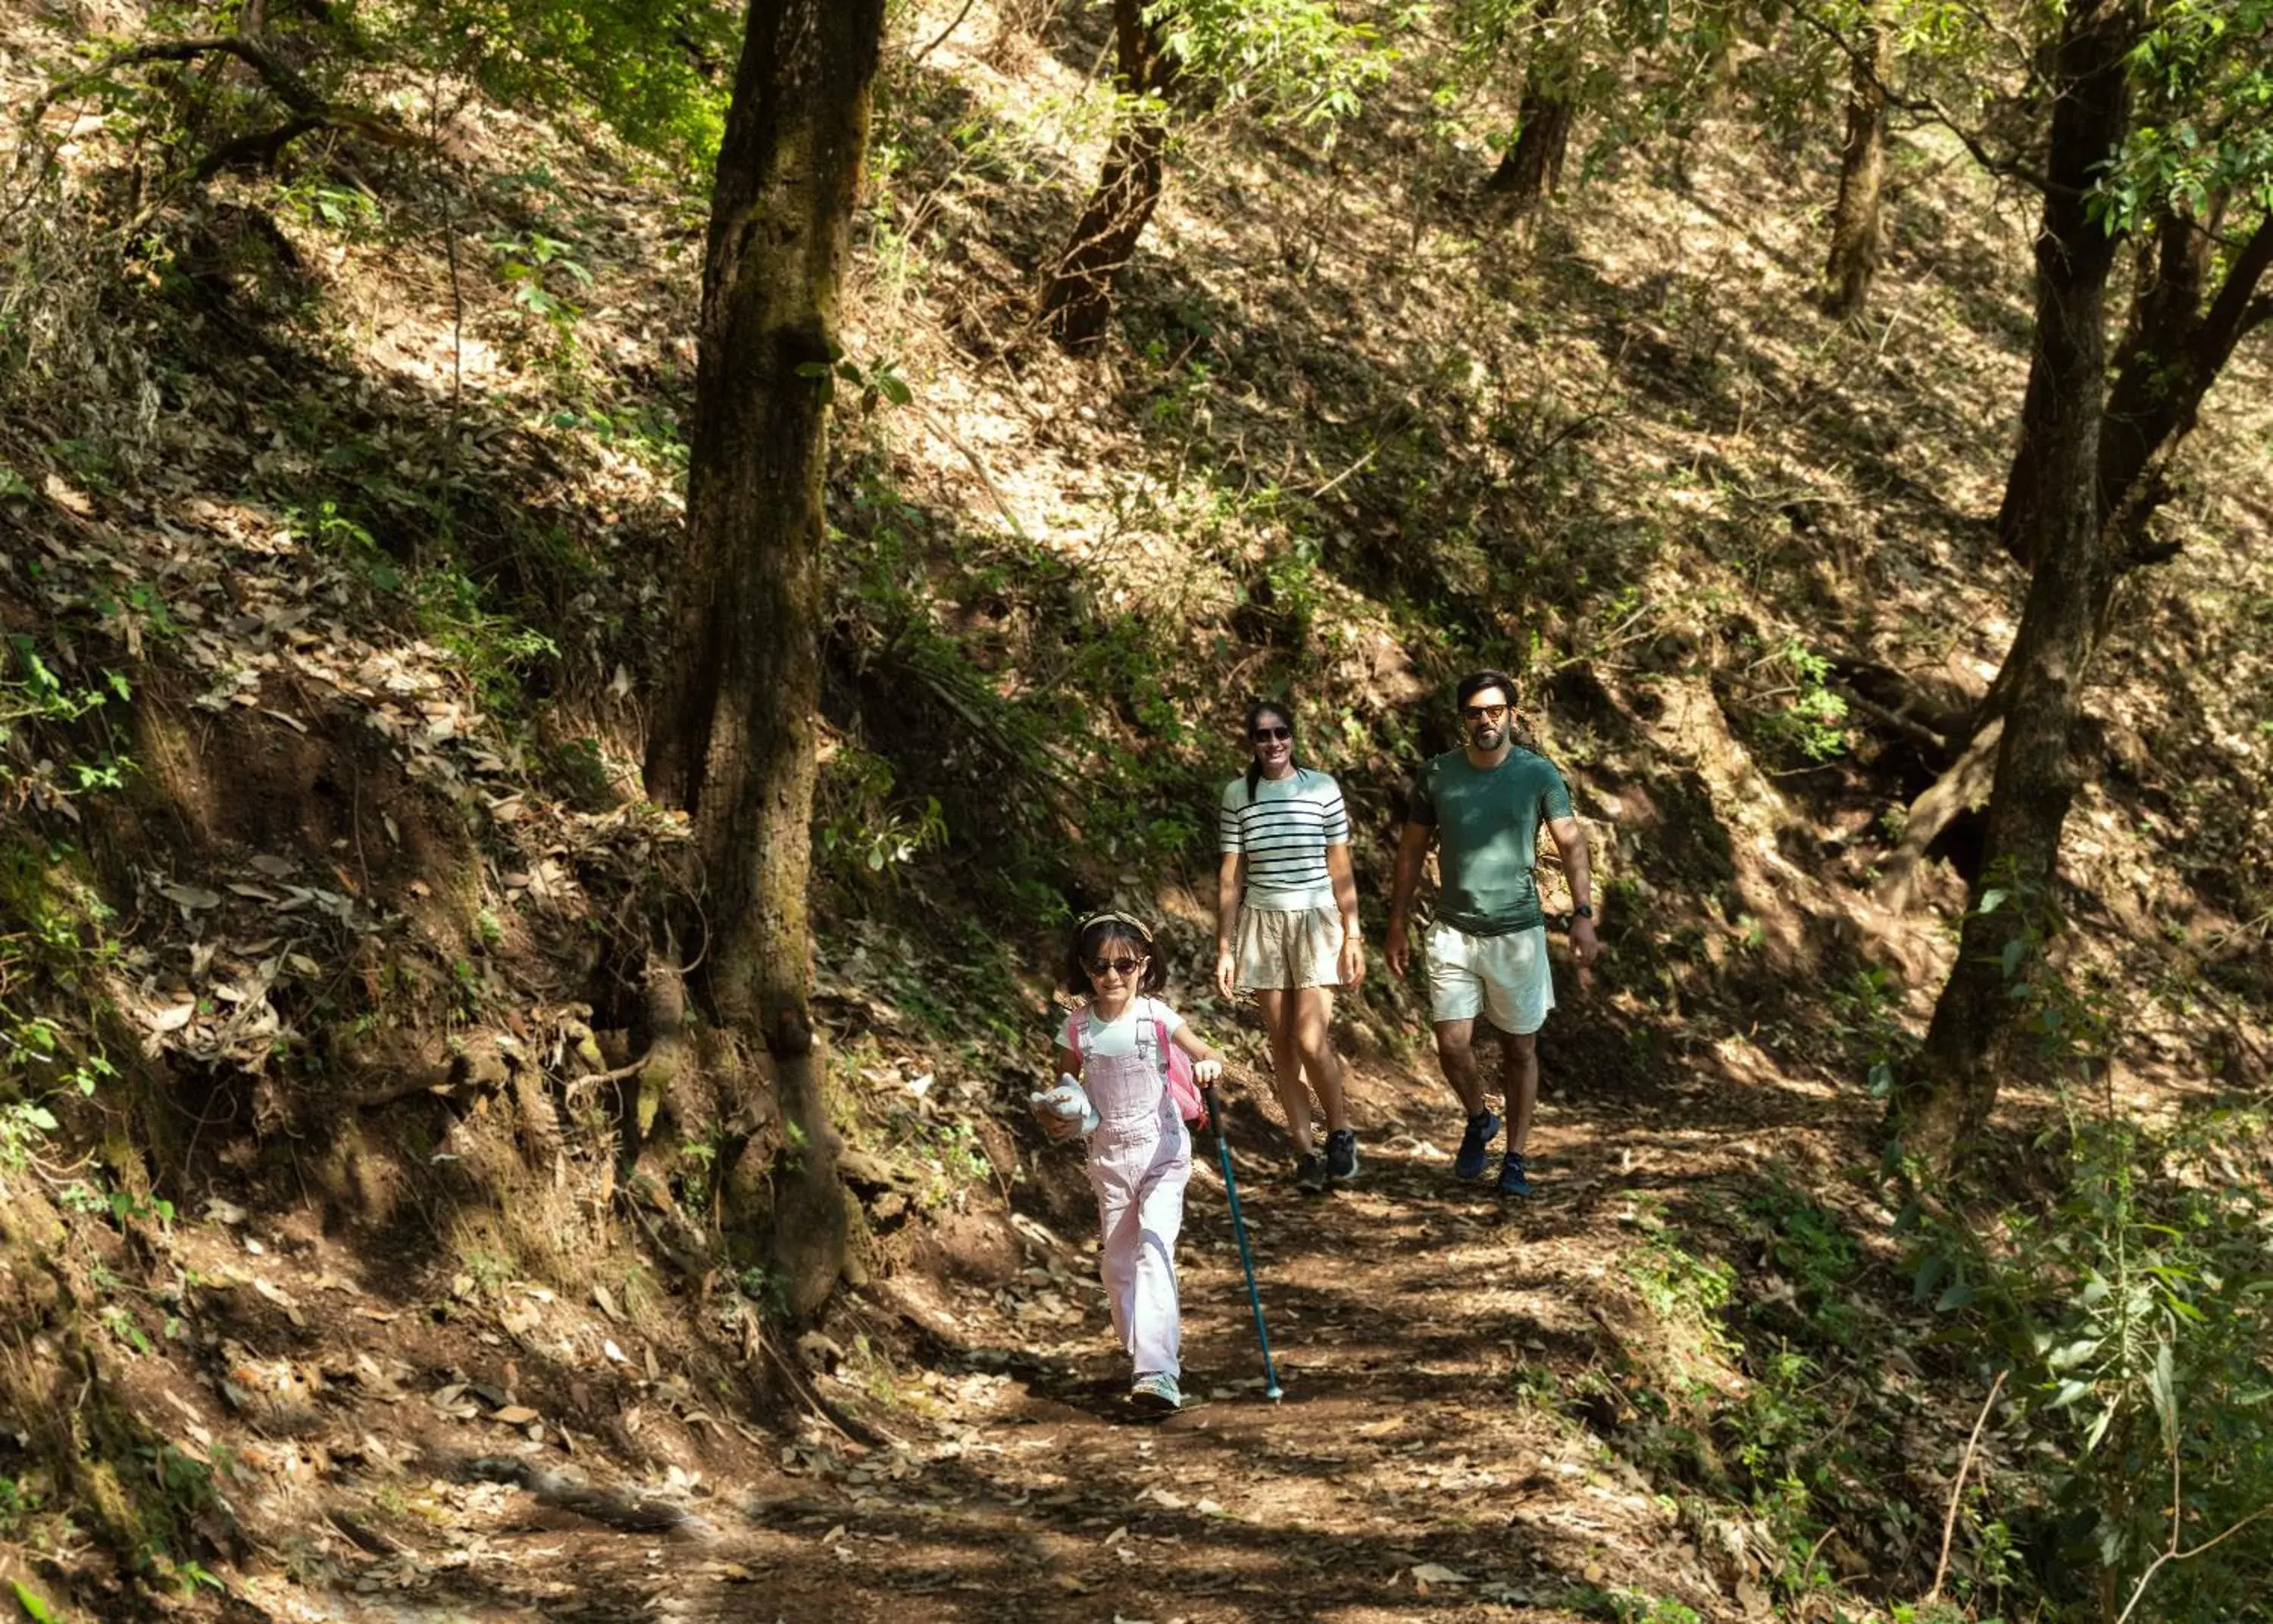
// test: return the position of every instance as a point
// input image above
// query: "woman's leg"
(1279, 1012)
(1310, 1020)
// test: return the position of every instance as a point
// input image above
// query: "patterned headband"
(1109, 917)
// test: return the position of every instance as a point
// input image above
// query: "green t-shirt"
(1486, 824)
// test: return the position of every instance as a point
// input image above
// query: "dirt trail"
(1416, 1318)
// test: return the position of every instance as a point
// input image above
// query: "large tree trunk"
(1945, 1101)
(733, 738)
(1077, 302)
(1532, 169)
(1857, 233)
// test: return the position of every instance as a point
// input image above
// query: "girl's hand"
(1350, 966)
(1224, 970)
(1057, 1128)
(1205, 1072)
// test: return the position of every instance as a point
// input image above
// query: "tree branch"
(1924, 106)
(254, 150)
(293, 91)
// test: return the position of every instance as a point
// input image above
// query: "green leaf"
(1955, 1295)
(893, 390)
(2014, 951)
(35, 1609)
(2072, 1355)
(2069, 1392)
(2162, 1383)
(1991, 900)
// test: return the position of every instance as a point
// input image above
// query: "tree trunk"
(733, 738)
(1857, 234)
(1945, 1101)
(1531, 170)
(2175, 350)
(1077, 304)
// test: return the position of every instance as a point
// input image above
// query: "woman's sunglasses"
(1271, 735)
(1116, 967)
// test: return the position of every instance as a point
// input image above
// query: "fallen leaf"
(514, 1415)
(1436, 1572)
(190, 897)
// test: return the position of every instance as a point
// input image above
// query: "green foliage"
(1813, 717)
(2132, 1312)
(862, 836)
(537, 268)
(1297, 60)
(2204, 134)
(657, 70)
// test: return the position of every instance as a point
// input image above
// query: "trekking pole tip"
(1274, 1392)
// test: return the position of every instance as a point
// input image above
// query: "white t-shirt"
(1133, 1031)
(1284, 833)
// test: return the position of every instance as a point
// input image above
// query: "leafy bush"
(2132, 1313)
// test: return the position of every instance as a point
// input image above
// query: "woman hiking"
(1292, 936)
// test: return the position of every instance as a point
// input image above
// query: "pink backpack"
(1182, 1087)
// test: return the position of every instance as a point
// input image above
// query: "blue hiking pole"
(1272, 1391)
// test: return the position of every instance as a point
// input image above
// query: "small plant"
(535, 266)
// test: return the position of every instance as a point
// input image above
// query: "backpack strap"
(1073, 1033)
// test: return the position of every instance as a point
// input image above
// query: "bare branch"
(293, 91)
(1957, 1489)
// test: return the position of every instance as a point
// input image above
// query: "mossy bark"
(734, 739)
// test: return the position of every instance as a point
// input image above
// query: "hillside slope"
(337, 509)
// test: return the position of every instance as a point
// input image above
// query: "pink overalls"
(1140, 1158)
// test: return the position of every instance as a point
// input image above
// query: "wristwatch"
(1582, 910)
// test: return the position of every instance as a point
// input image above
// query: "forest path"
(1408, 1473)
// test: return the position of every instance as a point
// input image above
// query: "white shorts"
(1504, 978)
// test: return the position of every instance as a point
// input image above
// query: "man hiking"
(1487, 951)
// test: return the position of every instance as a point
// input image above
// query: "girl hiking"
(1290, 936)
(1131, 1072)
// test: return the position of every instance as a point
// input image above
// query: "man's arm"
(1412, 847)
(1570, 840)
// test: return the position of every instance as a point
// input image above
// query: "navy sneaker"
(1310, 1173)
(1341, 1155)
(1512, 1178)
(1483, 1127)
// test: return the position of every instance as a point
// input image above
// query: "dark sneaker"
(1512, 1178)
(1483, 1127)
(1157, 1390)
(1310, 1173)
(1341, 1156)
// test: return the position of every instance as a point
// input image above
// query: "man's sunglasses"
(1271, 735)
(1482, 712)
(1118, 967)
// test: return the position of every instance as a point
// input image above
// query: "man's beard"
(1487, 738)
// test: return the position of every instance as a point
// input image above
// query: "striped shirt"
(1284, 833)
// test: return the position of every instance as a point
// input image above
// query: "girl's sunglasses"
(1117, 966)
(1271, 735)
